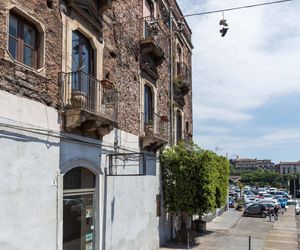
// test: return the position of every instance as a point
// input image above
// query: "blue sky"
(246, 85)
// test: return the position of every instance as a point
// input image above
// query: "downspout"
(171, 76)
(171, 95)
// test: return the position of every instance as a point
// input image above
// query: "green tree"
(195, 181)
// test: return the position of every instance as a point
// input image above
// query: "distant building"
(248, 164)
(288, 167)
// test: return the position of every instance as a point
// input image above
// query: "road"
(237, 238)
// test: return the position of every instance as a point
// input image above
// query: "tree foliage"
(263, 177)
(195, 181)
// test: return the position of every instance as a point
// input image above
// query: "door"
(78, 227)
(79, 210)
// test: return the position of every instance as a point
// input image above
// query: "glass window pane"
(79, 178)
(12, 47)
(75, 52)
(13, 26)
(29, 35)
(28, 57)
(78, 224)
(86, 59)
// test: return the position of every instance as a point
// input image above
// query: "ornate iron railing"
(154, 125)
(152, 29)
(80, 90)
(183, 72)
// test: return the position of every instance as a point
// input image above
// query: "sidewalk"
(283, 234)
(220, 224)
(226, 221)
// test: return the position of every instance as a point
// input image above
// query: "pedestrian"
(270, 213)
(276, 210)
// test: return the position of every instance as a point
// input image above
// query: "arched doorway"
(79, 209)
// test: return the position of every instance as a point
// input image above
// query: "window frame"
(21, 44)
(179, 123)
(148, 105)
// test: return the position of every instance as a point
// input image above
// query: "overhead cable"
(235, 8)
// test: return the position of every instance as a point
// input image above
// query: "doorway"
(79, 210)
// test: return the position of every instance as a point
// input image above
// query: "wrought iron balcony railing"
(183, 72)
(154, 125)
(80, 90)
(153, 31)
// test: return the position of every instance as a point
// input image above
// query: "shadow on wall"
(25, 138)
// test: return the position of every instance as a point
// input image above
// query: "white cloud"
(274, 143)
(218, 113)
(256, 61)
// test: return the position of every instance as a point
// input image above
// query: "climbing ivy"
(195, 181)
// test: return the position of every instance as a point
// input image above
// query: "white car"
(297, 208)
(292, 203)
(267, 197)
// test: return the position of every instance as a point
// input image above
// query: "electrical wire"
(234, 8)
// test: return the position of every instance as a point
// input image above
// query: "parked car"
(267, 197)
(291, 203)
(256, 210)
(297, 208)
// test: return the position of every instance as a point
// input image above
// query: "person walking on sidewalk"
(276, 211)
(270, 212)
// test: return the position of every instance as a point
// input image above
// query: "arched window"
(148, 105)
(178, 126)
(82, 53)
(83, 68)
(149, 8)
(79, 209)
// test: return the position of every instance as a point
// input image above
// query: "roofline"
(182, 16)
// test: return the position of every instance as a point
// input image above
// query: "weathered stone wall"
(20, 79)
(122, 33)
(121, 59)
(187, 59)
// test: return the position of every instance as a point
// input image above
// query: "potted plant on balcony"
(78, 99)
(164, 118)
(107, 84)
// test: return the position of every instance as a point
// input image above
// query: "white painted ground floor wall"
(29, 164)
(31, 183)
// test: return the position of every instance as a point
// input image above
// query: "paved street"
(231, 232)
(237, 238)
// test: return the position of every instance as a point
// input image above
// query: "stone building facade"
(252, 164)
(288, 167)
(89, 92)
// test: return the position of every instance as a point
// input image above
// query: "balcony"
(182, 82)
(154, 132)
(89, 105)
(154, 42)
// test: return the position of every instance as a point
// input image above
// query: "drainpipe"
(171, 76)
(171, 95)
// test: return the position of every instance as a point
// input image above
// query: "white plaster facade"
(29, 168)
(32, 169)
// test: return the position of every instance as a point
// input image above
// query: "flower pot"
(78, 99)
(107, 84)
